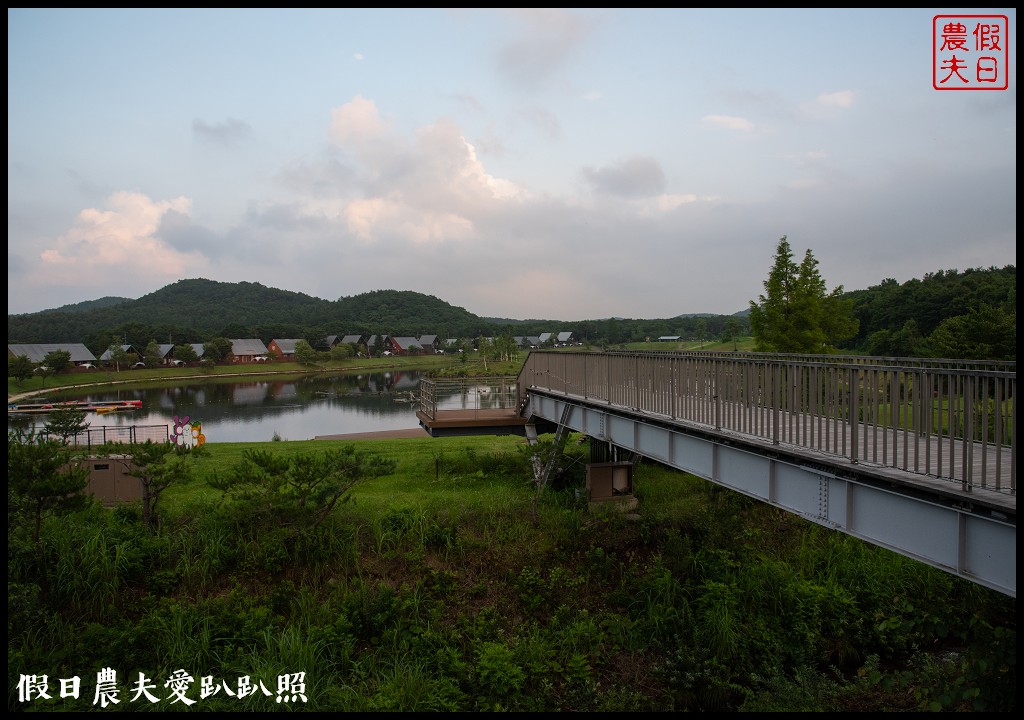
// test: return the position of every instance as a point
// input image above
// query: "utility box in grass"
(110, 479)
(609, 481)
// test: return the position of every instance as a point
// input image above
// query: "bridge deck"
(826, 440)
(872, 442)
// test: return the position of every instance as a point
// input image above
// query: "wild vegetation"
(970, 314)
(419, 580)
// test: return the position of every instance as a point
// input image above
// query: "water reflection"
(254, 411)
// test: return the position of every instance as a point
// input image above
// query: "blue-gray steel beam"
(951, 536)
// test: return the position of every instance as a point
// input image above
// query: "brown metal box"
(110, 479)
(608, 481)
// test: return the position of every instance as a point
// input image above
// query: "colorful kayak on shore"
(99, 406)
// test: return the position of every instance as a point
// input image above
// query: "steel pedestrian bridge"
(914, 455)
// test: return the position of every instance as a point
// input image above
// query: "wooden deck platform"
(473, 422)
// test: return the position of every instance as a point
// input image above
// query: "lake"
(233, 410)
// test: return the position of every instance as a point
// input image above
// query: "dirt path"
(26, 395)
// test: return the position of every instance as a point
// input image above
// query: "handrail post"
(673, 365)
(776, 381)
(636, 382)
(967, 454)
(715, 394)
(854, 414)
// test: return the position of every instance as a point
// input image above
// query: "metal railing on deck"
(948, 419)
(476, 394)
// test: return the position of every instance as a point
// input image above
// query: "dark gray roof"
(248, 347)
(107, 355)
(37, 351)
(406, 342)
(286, 345)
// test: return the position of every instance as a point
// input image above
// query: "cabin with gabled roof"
(108, 356)
(248, 350)
(36, 352)
(430, 343)
(283, 348)
(406, 346)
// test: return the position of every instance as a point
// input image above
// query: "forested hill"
(977, 306)
(94, 304)
(948, 313)
(197, 310)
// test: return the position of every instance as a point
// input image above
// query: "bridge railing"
(944, 363)
(947, 419)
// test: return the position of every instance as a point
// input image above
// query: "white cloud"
(665, 203)
(427, 191)
(827, 104)
(119, 246)
(371, 219)
(843, 99)
(730, 122)
(357, 121)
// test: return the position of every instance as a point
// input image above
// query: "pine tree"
(65, 422)
(41, 480)
(797, 314)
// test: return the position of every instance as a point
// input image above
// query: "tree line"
(948, 313)
(968, 316)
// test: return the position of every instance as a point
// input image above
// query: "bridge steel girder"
(934, 529)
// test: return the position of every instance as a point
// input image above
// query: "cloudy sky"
(561, 164)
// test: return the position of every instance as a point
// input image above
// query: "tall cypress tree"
(797, 314)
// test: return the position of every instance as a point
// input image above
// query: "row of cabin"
(252, 350)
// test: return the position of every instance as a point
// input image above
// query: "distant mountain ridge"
(202, 308)
(197, 310)
(93, 304)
